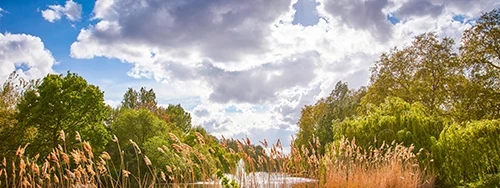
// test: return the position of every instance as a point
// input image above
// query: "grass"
(344, 165)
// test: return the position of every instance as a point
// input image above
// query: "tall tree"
(422, 72)
(10, 95)
(307, 123)
(478, 96)
(178, 116)
(64, 103)
(143, 98)
(316, 120)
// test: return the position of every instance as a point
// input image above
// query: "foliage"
(225, 182)
(63, 103)
(479, 93)
(394, 120)
(316, 120)
(10, 95)
(139, 99)
(422, 72)
(138, 125)
(146, 99)
(178, 116)
(469, 152)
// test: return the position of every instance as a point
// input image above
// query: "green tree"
(342, 103)
(176, 115)
(307, 123)
(393, 120)
(139, 132)
(422, 72)
(470, 153)
(478, 96)
(139, 99)
(63, 103)
(10, 95)
(138, 126)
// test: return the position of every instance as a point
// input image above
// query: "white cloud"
(25, 54)
(250, 67)
(72, 11)
(2, 11)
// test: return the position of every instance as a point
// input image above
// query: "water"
(264, 179)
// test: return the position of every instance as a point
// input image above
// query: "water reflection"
(265, 179)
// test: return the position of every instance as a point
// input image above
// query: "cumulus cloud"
(25, 54)
(246, 64)
(72, 11)
(220, 30)
(362, 14)
(419, 8)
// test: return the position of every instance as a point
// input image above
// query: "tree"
(176, 115)
(478, 95)
(138, 100)
(481, 43)
(470, 153)
(423, 72)
(63, 103)
(393, 120)
(342, 103)
(136, 129)
(10, 95)
(307, 123)
(138, 126)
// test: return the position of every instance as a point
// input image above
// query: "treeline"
(59, 114)
(443, 101)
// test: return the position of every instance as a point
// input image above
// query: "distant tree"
(142, 99)
(176, 115)
(138, 126)
(63, 103)
(342, 103)
(307, 123)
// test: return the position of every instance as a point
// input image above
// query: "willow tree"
(393, 120)
(469, 153)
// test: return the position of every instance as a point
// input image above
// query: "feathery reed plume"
(78, 137)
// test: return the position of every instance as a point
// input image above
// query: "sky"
(242, 68)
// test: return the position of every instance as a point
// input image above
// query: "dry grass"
(344, 165)
(391, 165)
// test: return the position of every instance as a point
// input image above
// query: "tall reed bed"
(344, 165)
(391, 165)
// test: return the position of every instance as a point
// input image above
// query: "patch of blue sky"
(232, 109)
(22, 66)
(260, 109)
(463, 19)
(306, 13)
(393, 19)
(187, 103)
(25, 17)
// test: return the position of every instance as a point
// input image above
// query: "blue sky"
(242, 68)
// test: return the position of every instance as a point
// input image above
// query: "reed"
(344, 164)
